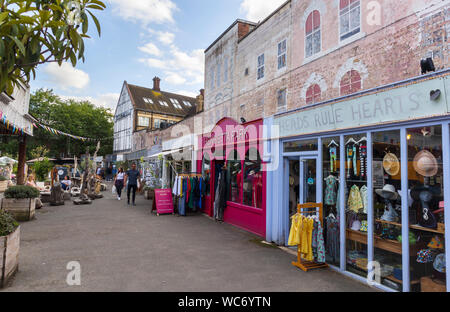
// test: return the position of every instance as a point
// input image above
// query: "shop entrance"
(303, 182)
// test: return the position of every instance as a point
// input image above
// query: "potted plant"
(20, 201)
(9, 247)
(3, 183)
(149, 193)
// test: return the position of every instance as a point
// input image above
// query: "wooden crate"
(3, 186)
(9, 256)
(429, 285)
(21, 209)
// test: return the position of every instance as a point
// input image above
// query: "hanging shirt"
(354, 199)
(365, 198)
(330, 191)
(175, 187)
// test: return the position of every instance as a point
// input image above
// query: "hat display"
(425, 164)
(388, 192)
(436, 243)
(391, 164)
(439, 263)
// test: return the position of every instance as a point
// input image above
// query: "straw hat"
(391, 164)
(425, 164)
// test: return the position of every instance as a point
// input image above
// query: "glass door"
(308, 180)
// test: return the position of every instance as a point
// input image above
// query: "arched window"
(234, 167)
(351, 83)
(206, 172)
(313, 41)
(253, 182)
(313, 94)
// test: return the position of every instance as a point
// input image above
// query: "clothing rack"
(309, 208)
(190, 175)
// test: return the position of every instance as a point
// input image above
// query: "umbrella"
(39, 159)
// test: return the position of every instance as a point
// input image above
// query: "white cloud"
(180, 67)
(187, 93)
(107, 100)
(145, 11)
(257, 10)
(66, 77)
(151, 49)
(166, 37)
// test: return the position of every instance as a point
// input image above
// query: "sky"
(142, 39)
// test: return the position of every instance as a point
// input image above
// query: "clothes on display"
(332, 241)
(188, 190)
(355, 201)
(220, 202)
(331, 190)
(307, 232)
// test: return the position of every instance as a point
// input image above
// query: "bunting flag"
(60, 133)
(10, 126)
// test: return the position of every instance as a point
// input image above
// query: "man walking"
(132, 177)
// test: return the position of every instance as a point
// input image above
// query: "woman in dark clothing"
(118, 182)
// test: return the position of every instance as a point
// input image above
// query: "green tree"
(80, 118)
(35, 32)
(42, 168)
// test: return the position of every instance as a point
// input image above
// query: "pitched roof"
(161, 102)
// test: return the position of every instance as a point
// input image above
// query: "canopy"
(39, 159)
(7, 161)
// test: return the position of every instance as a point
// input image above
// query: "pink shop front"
(229, 158)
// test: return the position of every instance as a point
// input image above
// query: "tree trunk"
(22, 159)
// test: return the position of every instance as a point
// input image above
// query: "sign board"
(401, 104)
(163, 202)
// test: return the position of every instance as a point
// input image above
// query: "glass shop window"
(253, 179)
(426, 209)
(235, 174)
(301, 146)
(387, 209)
(206, 172)
(331, 175)
(356, 201)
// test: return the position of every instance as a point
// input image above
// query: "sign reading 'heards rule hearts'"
(163, 201)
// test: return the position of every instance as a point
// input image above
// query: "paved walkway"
(123, 248)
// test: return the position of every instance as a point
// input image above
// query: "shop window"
(356, 203)
(313, 94)
(301, 146)
(386, 171)
(351, 83)
(282, 48)
(313, 40)
(253, 183)
(426, 209)
(331, 175)
(350, 18)
(206, 172)
(260, 68)
(235, 174)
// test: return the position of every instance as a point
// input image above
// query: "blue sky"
(142, 39)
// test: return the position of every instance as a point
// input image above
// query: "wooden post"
(22, 158)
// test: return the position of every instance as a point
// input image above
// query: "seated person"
(31, 182)
(66, 183)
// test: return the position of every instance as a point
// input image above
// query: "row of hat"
(425, 164)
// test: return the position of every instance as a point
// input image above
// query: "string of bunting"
(60, 133)
(10, 125)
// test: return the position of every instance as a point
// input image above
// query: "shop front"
(234, 150)
(379, 162)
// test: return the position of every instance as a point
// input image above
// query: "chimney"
(202, 93)
(200, 101)
(156, 83)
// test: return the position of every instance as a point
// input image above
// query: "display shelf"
(385, 244)
(393, 279)
(415, 227)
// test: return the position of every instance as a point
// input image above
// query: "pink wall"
(226, 135)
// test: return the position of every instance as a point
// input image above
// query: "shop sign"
(163, 203)
(233, 135)
(399, 104)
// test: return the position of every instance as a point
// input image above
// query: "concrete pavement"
(123, 248)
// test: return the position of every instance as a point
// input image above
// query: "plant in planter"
(20, 201)
(9, 247)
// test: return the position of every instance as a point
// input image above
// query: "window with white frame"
(176, 104)
(260, 67)
(148, 100)
(313, 40)
(187, 103)
(143, 121)
(350, 18)
(281, 98)
(282, 48)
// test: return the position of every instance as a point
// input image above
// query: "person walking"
(132, 177)
(119, 182)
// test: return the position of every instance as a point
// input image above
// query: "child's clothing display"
(331, 190)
